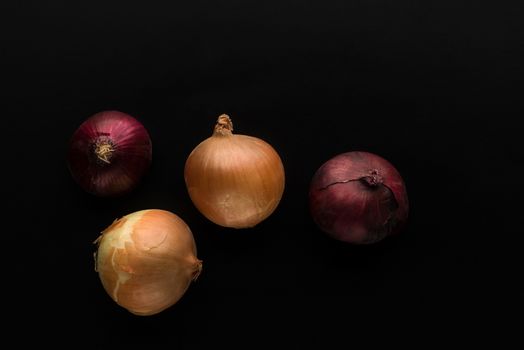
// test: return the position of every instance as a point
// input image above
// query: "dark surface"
(435, 87)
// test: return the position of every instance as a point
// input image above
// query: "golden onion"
(147, 260)
(234, 180)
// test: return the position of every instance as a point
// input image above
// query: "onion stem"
(224, 126)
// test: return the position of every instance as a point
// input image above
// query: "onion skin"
(147, 260)
(234, 180)
(358, 197)
(109, 154)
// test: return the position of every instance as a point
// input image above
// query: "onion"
(234, 180)
(109, 153)
(147, 260)
(358, 197)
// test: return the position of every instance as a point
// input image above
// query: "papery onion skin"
(147, 260)
(234, 180)
(109, 154)
(358, 197)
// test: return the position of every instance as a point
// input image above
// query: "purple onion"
(109, 153)
(358, 197)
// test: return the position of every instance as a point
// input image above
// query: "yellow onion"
(147, 260)
(234, 180)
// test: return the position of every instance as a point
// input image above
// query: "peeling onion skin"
(234, 180)
(147, 260)
(109, 153)
(359, 198)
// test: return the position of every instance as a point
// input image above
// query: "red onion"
(358, 197)
(109, 153)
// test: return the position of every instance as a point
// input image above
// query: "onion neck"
(197, 270)
(104, 150)
(224, 126)
(373, 179)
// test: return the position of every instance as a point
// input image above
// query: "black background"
(435, 87)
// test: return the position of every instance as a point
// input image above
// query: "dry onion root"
(147, 260)
(234, 180)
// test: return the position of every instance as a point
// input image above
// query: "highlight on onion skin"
(147, 260)
(358, 197)
(234, 180)
(109, 154)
